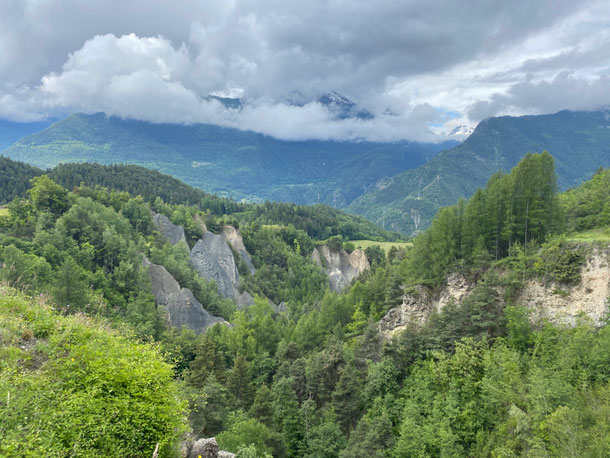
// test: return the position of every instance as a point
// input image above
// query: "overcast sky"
(421, 67)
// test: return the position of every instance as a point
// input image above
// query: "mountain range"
(226, 161)
(399, 186)
(407, 202)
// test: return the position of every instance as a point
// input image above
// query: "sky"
(422, 67)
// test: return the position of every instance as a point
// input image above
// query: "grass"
(594, 235)
(3, 211)
(364, 244)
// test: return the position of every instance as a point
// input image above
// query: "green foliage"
(412, 198)
(497, 400)
(335, 243)
(15, 179)
(246, 432)
(285, 272)
(372, 438)
(349, 247)
(588, 205)
(325, 438)
(46, 195)
(69, 286)
(74, 386)
(477, 378)
(560, 261)
(375, 255)
(138, 214)
(518, 208)
(22, 270)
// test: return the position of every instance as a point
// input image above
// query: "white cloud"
(407, 61)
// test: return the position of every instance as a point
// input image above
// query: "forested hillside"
(408, 202)
(231, 162)
(479, 376)
(319, 221)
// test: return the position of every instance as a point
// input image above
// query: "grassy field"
(364, 244)
(3, 211)
(595, 235)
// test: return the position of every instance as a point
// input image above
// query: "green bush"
(71, 386)
(335, 243)
(560, 261)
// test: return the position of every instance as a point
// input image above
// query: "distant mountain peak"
(228, 102)
(462, 132)
(342, 107)
(334, 98)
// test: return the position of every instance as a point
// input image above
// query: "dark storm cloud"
(158, 60)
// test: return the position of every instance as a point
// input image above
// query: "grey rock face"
(415, 309)
(199, 220)
(223, 454)
(244, 300)
(234, 238)
(589, 297)
(181, 307)
(340, 266)
(172, 233)
(204, 448)
(213, 259)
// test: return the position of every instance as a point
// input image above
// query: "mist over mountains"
(398, 185)
(227, 161)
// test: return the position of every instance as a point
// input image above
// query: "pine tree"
(347, 398)
(239, 383)
(69, 287)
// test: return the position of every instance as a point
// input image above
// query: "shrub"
(75, 387)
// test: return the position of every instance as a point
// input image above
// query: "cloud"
(407, 61)
(147, 78)
(566, 91)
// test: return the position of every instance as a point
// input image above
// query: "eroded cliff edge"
(342, 267)
(558, 302)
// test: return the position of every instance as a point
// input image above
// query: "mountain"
(10, 131)
(228, 102)
(227, 161)
(461, 132)
(579, 141)
(342, 107)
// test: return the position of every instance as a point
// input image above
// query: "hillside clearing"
(594, 235)
(364, 244)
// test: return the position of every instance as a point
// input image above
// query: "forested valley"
(89, 365)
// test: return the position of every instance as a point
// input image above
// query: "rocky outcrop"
(457, 287)
(181, 307)
(234, 238)
(206, 448)
(414, 310)
(564, 304)
(244, 300)
(213, 260)
(559, 303)
(200, 222)
(340, 266)
(172, 233)
(419, 304)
